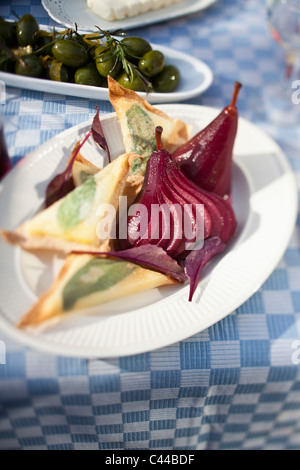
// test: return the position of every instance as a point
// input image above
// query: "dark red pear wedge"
(166, 187)
(206, 158)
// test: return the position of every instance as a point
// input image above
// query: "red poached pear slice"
(206, 158)
(166, 186)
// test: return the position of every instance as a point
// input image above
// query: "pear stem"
(237, 87)
(158, 133)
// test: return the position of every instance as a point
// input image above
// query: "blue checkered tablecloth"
(235, 385)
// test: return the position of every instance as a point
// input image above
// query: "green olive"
(54, 70)
(2, 40)
(135, 84)
(29, 65)
(152, 63)
(6, 64)
(45, 39)
(167, 80)
(70, 52)
(107, 63)
(135, 47)
(8, 32)
(89, 75)
(27, 30)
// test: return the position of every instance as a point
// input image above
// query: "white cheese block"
(120, 9)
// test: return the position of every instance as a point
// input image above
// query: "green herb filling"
(97, 275)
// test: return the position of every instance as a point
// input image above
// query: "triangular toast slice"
(138, 120)
(86, 281)
(82, 169)
(71, 223)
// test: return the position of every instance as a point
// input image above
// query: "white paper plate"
(265, 202)
(69, 12)
(196, 77)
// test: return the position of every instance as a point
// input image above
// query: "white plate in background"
(69, 12)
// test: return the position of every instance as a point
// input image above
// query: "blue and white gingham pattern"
(233, 386)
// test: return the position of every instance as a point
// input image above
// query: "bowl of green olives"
(70, 62)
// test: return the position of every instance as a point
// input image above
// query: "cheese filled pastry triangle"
(86, 281)
(138, 120)
(71, 223)
(82, 169)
